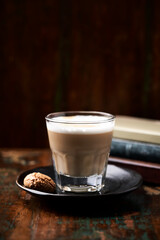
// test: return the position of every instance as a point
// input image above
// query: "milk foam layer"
(81, 124)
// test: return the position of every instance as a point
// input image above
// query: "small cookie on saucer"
(40, 182)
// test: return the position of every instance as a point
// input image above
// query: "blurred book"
(137, 129)
(135, 150)
(136, 138)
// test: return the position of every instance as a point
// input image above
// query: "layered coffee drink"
(80, 145)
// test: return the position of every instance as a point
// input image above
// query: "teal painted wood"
(131, 216)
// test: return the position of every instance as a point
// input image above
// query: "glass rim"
(51, 117)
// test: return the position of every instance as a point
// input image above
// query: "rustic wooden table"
(131, 216)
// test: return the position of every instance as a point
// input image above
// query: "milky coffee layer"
(81, 147)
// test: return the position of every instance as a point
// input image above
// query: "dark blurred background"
(76, 55)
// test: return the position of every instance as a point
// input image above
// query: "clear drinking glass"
(80, 145)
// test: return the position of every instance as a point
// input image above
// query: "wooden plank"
(132, 216)
(76, 56)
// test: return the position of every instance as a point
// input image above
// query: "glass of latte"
(80, 145)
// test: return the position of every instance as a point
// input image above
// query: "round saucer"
(118, 181)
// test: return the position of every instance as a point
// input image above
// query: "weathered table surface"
(131, 216)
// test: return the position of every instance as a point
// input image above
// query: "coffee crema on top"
(81, 124)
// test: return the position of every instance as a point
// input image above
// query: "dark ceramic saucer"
(118, 181)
